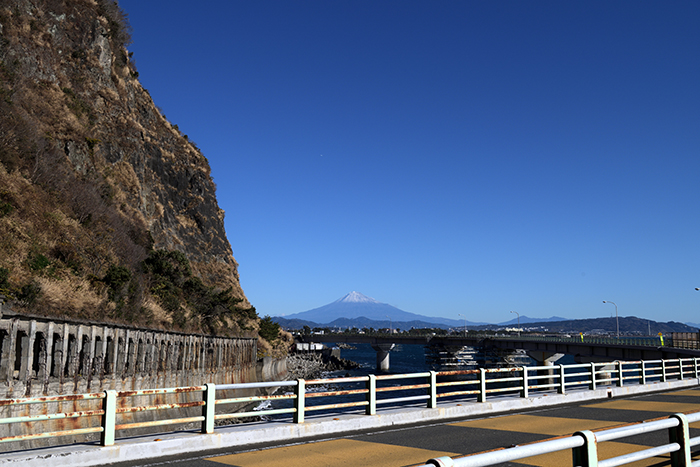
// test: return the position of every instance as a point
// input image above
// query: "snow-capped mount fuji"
(355, 305)
(356, 297)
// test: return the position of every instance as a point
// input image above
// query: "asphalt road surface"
(406, 446)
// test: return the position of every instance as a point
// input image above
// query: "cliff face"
(93, 179)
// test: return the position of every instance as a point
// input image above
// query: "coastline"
(315, 365)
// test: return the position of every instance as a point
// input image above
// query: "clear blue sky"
(447, 157)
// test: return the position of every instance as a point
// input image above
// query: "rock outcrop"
(92, 176)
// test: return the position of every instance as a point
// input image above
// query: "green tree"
(115, 278)
(4, 281)
(173, 282)
(269, 330)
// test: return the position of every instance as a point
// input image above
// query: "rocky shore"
(313, 365)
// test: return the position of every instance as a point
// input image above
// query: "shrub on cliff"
(115, 279)
(269, 330)
(4, 281)
(191, 302)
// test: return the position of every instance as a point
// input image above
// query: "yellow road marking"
(351, 453)
(648, 406)
(345, 452)
(689, 392)
(554, 426)
(605, 451)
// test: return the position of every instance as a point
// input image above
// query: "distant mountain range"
(629, 325)
(527, 319)
(359, 311)
(355, 305)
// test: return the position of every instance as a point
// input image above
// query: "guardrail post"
(562, 380)
(526, 383)
(444, 461)
(680, 368)
(482, 385)
(371, 395)
(300, 392)
(663, 371)
(432, 400)
(209, 408)
(681, 435)
(695, 366)
(644, 372)
(620, 374)
(586, 455)
(593, 383)
(109, 419)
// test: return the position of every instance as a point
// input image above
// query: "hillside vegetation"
(107, 211)
(629, 326)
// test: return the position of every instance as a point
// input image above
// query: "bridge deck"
(589, 349)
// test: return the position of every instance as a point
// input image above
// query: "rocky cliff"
(106, 209)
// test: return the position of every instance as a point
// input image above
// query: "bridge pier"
(544, 358)
(383, 355)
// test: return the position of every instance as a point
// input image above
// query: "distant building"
(309, 347)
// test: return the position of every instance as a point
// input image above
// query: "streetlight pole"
(465, 323)
(617, 319)
(391, 330)
(518, 321)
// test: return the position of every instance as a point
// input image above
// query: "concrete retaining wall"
(41, 357)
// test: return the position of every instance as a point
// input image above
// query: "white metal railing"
(584, 446)
(305, 396)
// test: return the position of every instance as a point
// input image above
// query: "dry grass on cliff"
(88, 167)
(73, 297)
(48, 254)
(222, 273)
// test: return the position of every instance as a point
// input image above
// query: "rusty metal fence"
(337, 395)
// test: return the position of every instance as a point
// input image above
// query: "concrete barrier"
(45, 357)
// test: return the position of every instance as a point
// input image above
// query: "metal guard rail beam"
(377, 390)
(584, 446)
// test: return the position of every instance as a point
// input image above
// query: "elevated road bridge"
(544, 350)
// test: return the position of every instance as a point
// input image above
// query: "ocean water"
(402, 359)
(411, 358)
